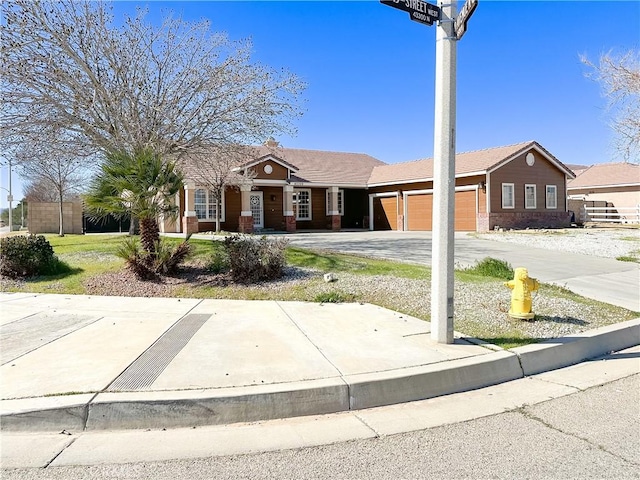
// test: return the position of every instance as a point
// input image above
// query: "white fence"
(611, 214)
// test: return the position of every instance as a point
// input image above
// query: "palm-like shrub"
(167, 258)
(144, 186)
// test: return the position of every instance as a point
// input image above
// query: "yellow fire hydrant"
(521, 287)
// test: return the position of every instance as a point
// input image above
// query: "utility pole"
(444, 178)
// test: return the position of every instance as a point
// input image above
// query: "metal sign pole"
(444, 178)
(450, 29)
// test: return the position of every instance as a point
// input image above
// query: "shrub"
(492, 267)
(168, 259)
(165, 260)
(253, 259)
(27, 256)
(218, 261)
(334, 297)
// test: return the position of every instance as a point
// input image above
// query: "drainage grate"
(148, 366)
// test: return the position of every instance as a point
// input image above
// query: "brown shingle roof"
(329, 168)
(468, 162)
(476, 161)
(358, 169)
(315, 166)
(607, 175)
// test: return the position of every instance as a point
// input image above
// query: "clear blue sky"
(370, 72)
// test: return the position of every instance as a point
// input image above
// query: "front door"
(257, 209)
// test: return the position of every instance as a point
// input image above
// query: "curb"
(136, 410)
(419, 383)
(565, 351)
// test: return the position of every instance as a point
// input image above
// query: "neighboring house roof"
(469, 163)
(607, 175)
(577, 169)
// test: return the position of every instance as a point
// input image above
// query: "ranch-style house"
(514, 186)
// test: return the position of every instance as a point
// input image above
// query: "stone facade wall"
(335, 223)
(44, 217)
(483, 222)
(290, 222)
(521, 220)
(245, 224)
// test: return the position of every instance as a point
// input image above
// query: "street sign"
(460, 25)
(419, 11)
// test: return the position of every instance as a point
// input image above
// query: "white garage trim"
(487, 201)
(378, 195)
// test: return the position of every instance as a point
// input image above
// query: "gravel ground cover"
(599, 242)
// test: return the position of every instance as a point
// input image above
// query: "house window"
(507, 195)
(302, 203)
(529, 196)
(206, 205)
(340, 201)
(552, 196)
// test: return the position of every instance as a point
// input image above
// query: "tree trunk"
(149, 235)
(133, 225)
(60, 212)
(218, 211)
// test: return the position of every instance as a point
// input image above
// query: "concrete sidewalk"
(72, 362)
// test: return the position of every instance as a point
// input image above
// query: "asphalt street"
(592, 434)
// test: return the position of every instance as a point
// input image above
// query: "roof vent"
(271, 143)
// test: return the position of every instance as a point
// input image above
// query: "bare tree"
(39, 190)
(217, 169)
(174, 89)
(619, 77)
(61, 171)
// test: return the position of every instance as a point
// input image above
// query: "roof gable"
(267, 157)
(533, 145)
(328, 168)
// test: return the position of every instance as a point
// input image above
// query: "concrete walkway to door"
(603, 279)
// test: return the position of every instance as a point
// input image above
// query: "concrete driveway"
(603, 279)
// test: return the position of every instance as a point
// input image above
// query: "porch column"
(289, 217)
(189, 220)
(334, 213)
(245, 225)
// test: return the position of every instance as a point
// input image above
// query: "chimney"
(271, 143)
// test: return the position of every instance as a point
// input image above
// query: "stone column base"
(245, 224)
(189, 225)
(290, 223)
(400, 223)
(336, 223)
